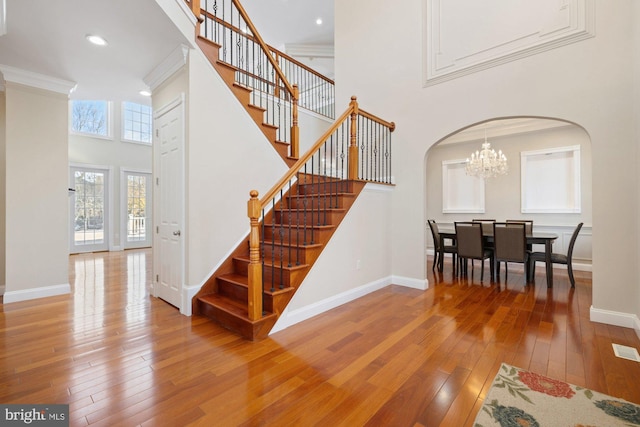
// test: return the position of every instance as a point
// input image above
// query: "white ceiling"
(48, 37)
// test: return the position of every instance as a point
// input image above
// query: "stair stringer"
(242, 93)
(259, 329)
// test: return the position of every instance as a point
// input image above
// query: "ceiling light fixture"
(145, 93)
(319, 21)
(486, 163)
(97, 40)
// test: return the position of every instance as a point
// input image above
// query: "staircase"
(250, 290)
(297, 231)
(243, 93)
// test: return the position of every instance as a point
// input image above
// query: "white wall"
(115, 153)
(3, 185)
(356, 261)
(502, 193)
(37, 225)
(227, 157)
(588, 83)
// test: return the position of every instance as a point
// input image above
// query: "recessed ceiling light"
(97, 40)
(145, 93)
(319, 21)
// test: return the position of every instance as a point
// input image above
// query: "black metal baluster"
(273, 240)
(290, 225)
(281, 235)
(262, 256)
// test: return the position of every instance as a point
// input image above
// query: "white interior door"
(137, 222)
(89, 207)
(169, 202)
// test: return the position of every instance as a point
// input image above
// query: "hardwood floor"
(396, 357)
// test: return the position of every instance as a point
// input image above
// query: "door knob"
(176, 233)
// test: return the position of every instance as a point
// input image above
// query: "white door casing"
(89, 208)
(136, 228)
(168, 199)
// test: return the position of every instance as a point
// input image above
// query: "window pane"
(137, 122)
(90, 117)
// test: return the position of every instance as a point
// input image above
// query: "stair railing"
(357, 147)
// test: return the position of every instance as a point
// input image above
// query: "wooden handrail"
(263, 45)
(390, 125)
(264, 202)
(271, 48)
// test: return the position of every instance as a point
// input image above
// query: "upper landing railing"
(279, 83)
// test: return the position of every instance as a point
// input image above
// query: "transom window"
(90, 117)
(137, 124)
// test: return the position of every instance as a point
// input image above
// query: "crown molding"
(309, 50)
(40, 81)
(3, 17)
(504, 127)
(170, 65)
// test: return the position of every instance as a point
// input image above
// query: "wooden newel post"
(353, 140)
(295, 130)
(255, 266)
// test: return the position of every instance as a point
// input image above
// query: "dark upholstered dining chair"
(447, 249)
(528, 226)
(510, 245)
(557, 258)
(471, 246)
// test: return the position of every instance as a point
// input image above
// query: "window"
(90, 117)
(461, 193)
(136, 119)
(551, 180)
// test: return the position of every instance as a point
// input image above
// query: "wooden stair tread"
(242, 280)
(232, 307)
(269, 264)
(316, 195)
(286, 244)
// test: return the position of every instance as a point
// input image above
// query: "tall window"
(90, 117)
(136, 119)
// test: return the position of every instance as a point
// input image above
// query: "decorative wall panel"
(464, 36)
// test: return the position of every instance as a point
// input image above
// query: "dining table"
(535, 238)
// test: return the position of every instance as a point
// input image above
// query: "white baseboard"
(615, 318)
(29, 294)
(291, 317)
(188, 293)
(409, 282)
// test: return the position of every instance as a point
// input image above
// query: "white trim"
(636, 326)
(409, 282)
(309, 50)
(615, 318)
(291, 317)
(169, 66)
(109, 215)
(581, 27)
(33, 293)
(3, 17)
(110, 121)
(189, 292)
(124, 221)
(574, 151)
(40, 81)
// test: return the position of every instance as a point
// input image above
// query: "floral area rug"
(518, 398)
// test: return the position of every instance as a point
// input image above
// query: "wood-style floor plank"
(395, 357)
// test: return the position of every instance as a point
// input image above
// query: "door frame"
(179, 102)
(124, 171)
(108, 199)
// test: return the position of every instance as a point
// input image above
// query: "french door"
(137, 223)
(89, 209)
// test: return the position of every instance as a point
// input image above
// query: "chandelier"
(486, 163)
